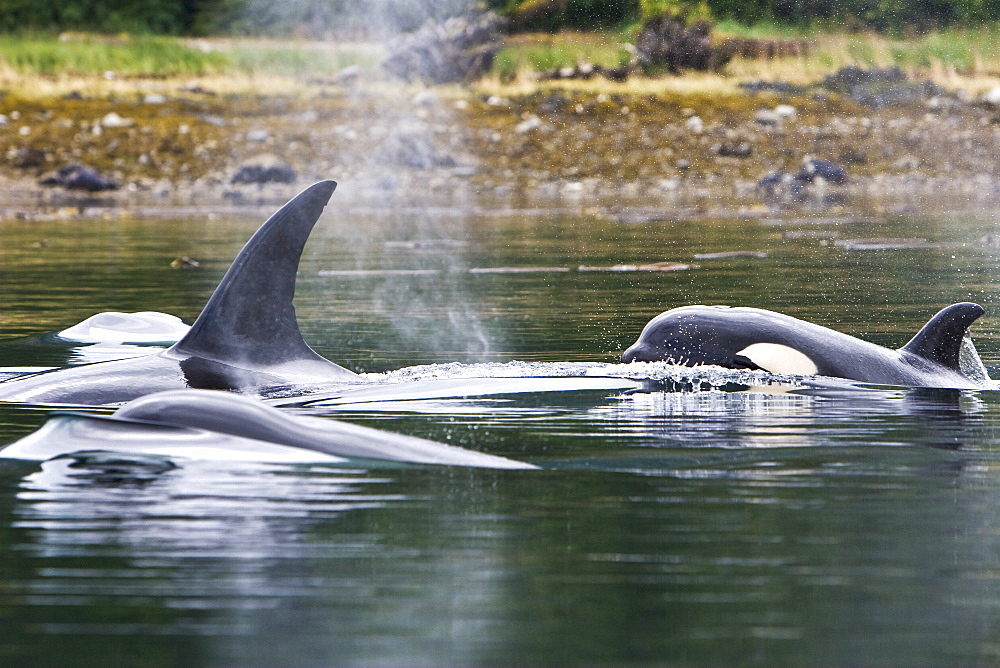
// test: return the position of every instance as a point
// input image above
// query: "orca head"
(692, 336)
(721, 336)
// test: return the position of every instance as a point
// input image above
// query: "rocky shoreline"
(915, 147)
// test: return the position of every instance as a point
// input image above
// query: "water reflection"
(826, 413)
(338, 564)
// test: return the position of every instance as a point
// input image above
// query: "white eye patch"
(777, 358)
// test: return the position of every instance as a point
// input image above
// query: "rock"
(426, 98)
(26, 157)
(879, 87)
(740, 150)
(854, 157)
(779, 185)
(772, 180)
(785, 111)
(771, 86)
(215, 121)
(827, 170)
(412, 148)
(199, 90)
(79, 177)
(459, 50)
(259, 136)
(113, 120)
(585, 70)
(668, 42)
(767, 118)
(992, 96)
(553, 104)
(349, 75)
(695, 125)
(532, 122)
(264, 169)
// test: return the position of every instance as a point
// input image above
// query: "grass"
(83, 54)
(157, 57)
(954, 58)
(524, 54)
(40, 65)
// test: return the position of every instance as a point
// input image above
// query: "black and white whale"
(203, 424)
(246, 338)
(751, 338)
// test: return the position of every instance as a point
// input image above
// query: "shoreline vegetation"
(955, 57)
(174, 120)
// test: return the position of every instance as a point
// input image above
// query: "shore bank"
(574, 146)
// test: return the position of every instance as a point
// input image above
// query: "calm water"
(671, 527)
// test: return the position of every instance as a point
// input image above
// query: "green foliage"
(300, 18)
(906, 16)
(689, 10)
(554, 15)
(109, 16)
(349, 18)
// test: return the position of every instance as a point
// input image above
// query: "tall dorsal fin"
(940, 340)
(249, 321)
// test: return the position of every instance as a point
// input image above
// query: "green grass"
(958, 48)
(166, 56)
(961, 49)
(94, 55)
(546, 52)
(764, 30)
(964, 50)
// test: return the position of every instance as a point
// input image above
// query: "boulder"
(79, 177)
(460, 49)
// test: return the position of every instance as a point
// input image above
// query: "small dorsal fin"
(940, 340)
(249, 321)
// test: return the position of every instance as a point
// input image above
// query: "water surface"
(685, 525)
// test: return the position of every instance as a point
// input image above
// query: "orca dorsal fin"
(940, 340)
(249, 321)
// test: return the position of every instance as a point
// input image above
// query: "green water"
(668, 528)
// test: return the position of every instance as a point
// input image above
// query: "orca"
(752, 338)
(211, 425)
(246, 338)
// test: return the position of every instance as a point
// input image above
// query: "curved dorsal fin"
(940, 340)
(249, 320)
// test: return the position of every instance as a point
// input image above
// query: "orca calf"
(201, 424)
(246, 338)
(751, 338)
